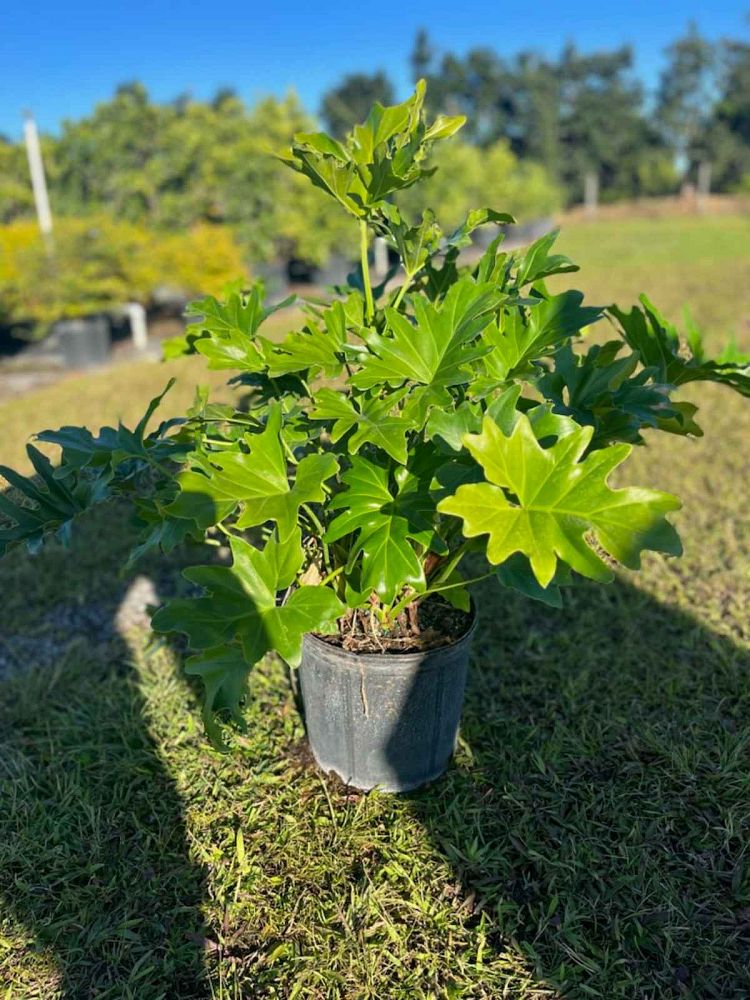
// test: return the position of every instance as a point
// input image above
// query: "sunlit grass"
(590, 840)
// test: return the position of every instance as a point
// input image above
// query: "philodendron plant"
(455, 409)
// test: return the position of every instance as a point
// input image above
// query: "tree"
(573, 115)
(351, 99)
(686, 94)
(422, 56)
(601, 124)
(16, 198)
(726, 141)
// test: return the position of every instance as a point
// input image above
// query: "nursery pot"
(84, 341)
(385, 719)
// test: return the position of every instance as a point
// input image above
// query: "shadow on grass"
(97, 884)
(597, 817)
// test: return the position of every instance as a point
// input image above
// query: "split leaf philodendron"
(458, 410)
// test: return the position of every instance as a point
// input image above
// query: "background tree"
(575, 114)
(601, 123)
(348, 102)
(16, 198)
(467, 176)
(686, 94)
(726, 141)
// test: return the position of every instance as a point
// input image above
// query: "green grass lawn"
(589, 841)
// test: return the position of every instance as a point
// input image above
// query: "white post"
(590, 193)
(704, 183)
(38, 182)
(138, 328)
(380, 253)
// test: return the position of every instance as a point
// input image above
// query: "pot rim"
(395, 659)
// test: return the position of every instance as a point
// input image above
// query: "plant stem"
(452, 586)
(402, 291)
(445, 569)
(331, 576)
(320, 529)
(370, 307)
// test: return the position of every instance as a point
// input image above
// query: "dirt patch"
(426, 624)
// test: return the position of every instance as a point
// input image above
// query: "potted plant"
(398, 433)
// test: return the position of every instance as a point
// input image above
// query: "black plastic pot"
(84, 342)
(386, 720)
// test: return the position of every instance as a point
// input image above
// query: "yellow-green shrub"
(97, 263)
(203, 259)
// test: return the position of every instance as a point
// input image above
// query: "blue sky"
(60, 58)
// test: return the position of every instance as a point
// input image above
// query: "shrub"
(99, 263)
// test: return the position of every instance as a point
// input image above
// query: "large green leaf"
(49, 505)
(546, 503)
(375, 421)
(256, 479)
(658, 343)
(385, 519)
(537, 263)
(525, 334)
(603, 390)
(228, 328)
(437, 349)
(241, 604)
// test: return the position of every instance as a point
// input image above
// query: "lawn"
(589, 841)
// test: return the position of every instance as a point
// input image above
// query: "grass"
(589, 841)
(702, 262)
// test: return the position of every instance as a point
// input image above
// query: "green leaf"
(658, 343)
(240, 603)
(454, 593)
(537, 262)
(461, 235)
(257, 480)
(437, 350)
(239, 619)
(385, 518)
(601, 390)
(415, 244)
(313, 348)
(228, 328)
(329, 168)
(524, 335)
(374, 422)
(224, 672)
(544, 502)
(516, 574)
(452, 425)
(49, 506)
(113, 446)
(383, 155)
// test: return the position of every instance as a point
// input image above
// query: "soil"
(424, 625)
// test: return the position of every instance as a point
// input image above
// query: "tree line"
(584, 113)
(537, 126)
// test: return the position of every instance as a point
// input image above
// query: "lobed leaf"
(544, 503)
